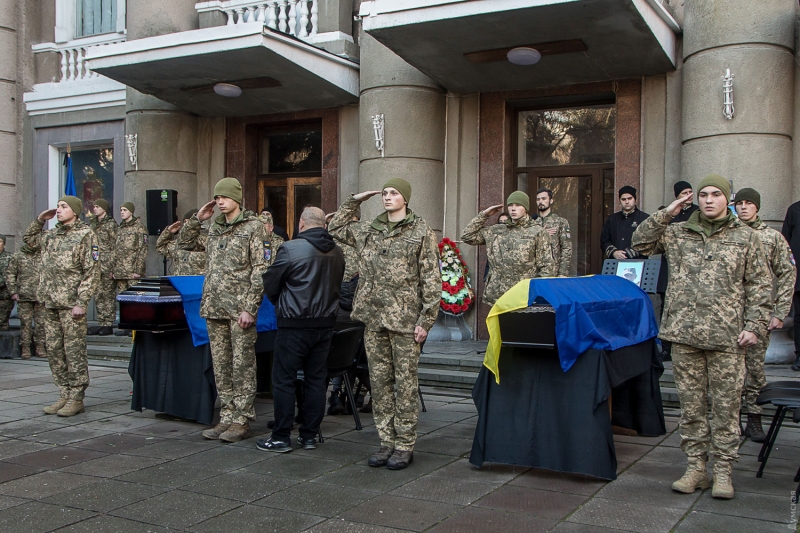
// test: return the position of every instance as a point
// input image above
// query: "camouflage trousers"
(233, 352)
(755, 378)
(66, 352)
(30, 313)
(124, 284)
(106, 301)
(5, 312)
(698, 375)
(393, 360)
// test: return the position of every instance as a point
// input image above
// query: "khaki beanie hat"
(519, 197)
(74, 203)
(751, 195)
(129, 206)
(229, 188)
(189, 213)
(715, 180)
(402, 186)
(102, 204)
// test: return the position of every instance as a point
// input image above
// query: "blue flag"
(69, 187)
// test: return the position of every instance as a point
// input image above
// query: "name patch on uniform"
(267, 251)
(95, 253)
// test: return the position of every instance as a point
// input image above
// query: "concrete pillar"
(415, 109)
(755, 148)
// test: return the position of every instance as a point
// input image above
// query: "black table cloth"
(540, 416)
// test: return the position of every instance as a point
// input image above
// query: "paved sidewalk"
(114, 470)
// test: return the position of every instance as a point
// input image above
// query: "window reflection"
(93, 171)
(291, 153)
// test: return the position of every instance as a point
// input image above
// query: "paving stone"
(445, 416)
(292, 466)
(542, 503)
(116, 443)
(459, 430)
(628, 453)
(177, 509)
(749, 505)
(10, 501)
(339, 525)
(749, 463)
(171, 448)
(33, 517)
(241, 486)
(451, 446)
(223, 458)
(649, 491)
(112, 465)
(42, 485)
(66, 435)
(770, 483)
(254, 519)
(316, 498)
(120, 423)
(488, 473)
(537, 478)
(24, 428)
(627, 516)
(401, 513)
(489, 521)
(56, 457)
(382, 479)
(9, 471)
(167, 429)
(572, 527)
(340, 451)
(104, 496)
(700, 522)
(667, 454)
(368, 436)
(658, 470)
(171, 474)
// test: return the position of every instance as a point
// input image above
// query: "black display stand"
(654, 277)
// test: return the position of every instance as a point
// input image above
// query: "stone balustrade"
(73, 55)
(293, 17)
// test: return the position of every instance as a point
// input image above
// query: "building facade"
(306, 101)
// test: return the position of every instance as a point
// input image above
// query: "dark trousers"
(796, 307)
(306, 350)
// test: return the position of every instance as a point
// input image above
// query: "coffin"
(530, 327)
(153, 304)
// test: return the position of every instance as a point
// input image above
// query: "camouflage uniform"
(782, 268)
(718, 287)
(69, 277)
(516, 250)
(184, 262)
(130, 253)
(22, 278)
(561, 242)
(235, 262)
(6, 303)
(351, 266)
(105, 300)
(399, 288)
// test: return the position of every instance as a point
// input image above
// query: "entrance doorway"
(288, 197)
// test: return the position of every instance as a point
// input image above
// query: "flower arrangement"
(457, 293)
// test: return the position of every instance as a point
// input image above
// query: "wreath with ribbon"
(457, 294)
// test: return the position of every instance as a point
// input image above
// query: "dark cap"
(680, 187)
(627, 189)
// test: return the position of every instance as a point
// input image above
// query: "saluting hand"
(47, 215)
(175, 227)
(675, 207)
(489, 211)
(206, 211)
(366, 195)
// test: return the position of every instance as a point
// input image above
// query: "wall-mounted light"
(228, 90)
(524, 56)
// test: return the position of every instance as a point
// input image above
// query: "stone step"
(108, 352)
(108, 339)
(456, 379)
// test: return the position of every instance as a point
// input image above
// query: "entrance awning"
(462, 44)
(276, 72)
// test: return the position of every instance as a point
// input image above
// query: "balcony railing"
(293, 17)
(73, 54)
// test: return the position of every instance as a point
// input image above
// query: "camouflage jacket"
(561, 242)
(22, 275)
(235, 261)
(271, 251)
(351, 265)
(130, 252)
(5, 259)
(781, 264)
(69, 274)
(106, 231)
(184, 262)
(516, 250)
(718, 285)
(400, 284)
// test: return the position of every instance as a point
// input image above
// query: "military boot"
(92, 330)
(381, 457)
(754, 429)
(216, 431)
(335, 401)
(72, 408)
(400, 459)
(26, 352)
(41, 352)
(723, 484)
(53, 409)
(695, 477)
(105, 330)
(236, 432)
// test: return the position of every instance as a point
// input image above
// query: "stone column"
(414, 109)
(754, 149)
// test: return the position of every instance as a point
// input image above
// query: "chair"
(784, 399)
(342, 360)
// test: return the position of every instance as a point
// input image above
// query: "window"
(95, 17)
(93, 170)
(296, 152)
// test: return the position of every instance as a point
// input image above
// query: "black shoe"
(307, 444)
(336, 407)
(123, 333)
(105, 330)
(269, 445)
(400, 459)
(94, 330)
(796, 365)
(381, 457)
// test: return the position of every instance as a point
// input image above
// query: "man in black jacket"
(791, 231)
(304, 284)
(688, 208)
(615, 239)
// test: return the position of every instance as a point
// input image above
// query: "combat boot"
(92, 330)
(216, 431)
(236, 432)
(335, 401)
(695, 477)
(754, 429)
(53, 409)
(26, 352)
(72, 408)
(400, 459)
(41, 352)
(723, 484)
(381, 457)
(105, 330)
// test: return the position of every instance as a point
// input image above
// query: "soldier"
(275, 241)
(130, 251)
(398, 297)
(716, 306)
(68, 279)
(22, 277)
(6, 303)
(558, 229)
(781, 265)
(232, 292)
(517, 250)
(105, 227)
(184, 262)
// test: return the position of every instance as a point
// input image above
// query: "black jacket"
(305, 280)
(791, 230)
(684, 215)
(618, 231)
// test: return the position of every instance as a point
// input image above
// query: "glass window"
(95, 17)
(573, 195)
(576, 136)
(291, 153)
(93, 171)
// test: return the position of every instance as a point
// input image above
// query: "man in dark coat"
(615, 239)
(689, 207)
(791, 231)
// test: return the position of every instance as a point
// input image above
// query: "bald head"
(312, 217)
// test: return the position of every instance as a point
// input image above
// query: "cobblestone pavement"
(111, 469)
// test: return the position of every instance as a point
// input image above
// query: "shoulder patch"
(267, 250)
(791, 258)
(95, 252)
